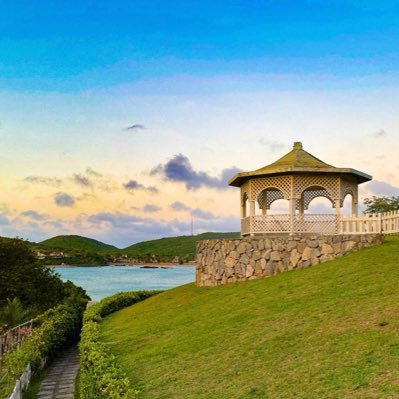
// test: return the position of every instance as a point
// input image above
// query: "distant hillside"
(167, 248)
(77, 243)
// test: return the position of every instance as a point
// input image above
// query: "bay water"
(102, 281)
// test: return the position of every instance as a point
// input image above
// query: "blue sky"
(75, 45)
(217, 85)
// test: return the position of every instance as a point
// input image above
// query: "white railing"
(386, 223)
(15, 336)
(22, 384)
(361, 225)
(390, 222)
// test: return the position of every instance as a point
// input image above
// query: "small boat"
(149, 267)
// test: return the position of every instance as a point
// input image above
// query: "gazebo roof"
(298, 161)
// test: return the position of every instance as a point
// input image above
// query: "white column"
(243, 210)
(292, 215)
(354, 206)
(301, 206)
(252, 216)
(338, 207)
(338, 213)
(264, 204)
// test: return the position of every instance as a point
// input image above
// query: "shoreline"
(149, 265)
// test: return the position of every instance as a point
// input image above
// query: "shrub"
(58, 327)
(100, 377)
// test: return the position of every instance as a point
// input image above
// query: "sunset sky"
(207, 88)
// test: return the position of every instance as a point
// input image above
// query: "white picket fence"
(22, 383)
(386, 223)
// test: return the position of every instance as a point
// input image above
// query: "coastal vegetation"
(325, 332)
(54, 330)
(78, 250)
(27, 287)
(77, 243)
(165, 249)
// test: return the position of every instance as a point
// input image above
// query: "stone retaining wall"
(227, 261)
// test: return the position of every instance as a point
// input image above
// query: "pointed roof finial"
(298, 145)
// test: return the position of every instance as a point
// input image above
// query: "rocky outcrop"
(227, 261)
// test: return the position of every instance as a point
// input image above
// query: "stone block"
(275, 255)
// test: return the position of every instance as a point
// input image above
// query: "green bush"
(58, 327)
(100, 377)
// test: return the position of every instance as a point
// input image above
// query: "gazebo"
(298, 177)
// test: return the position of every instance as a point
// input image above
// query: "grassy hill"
(77, 243)
(330, 331)
(183, 246)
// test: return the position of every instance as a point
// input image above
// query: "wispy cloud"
(136, 126)
(196, 212)
(134, 185)
(179, 169)
(64, 200)
(92, 172)
(179, 206)
(81, 180)
(49, 181)
(273, 145)
(379, 133)
(34, 215)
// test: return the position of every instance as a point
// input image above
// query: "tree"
(21, 275)
(13, 314)
(381, 204)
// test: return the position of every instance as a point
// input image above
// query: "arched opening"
(348, 206)
(269, 200)
(281, 206)
(316, 200)
(320, 205)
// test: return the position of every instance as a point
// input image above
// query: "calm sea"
(102, 281)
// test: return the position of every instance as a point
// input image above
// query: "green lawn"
(330, 331)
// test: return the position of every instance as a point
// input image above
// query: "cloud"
(34, 215)
(196, 212)
(64, 200)
(4, 219)
(274, 146)
(151, 208)
(380, 188)
(179, 169)
(49, 181)
(379, 133)
(179, 206)
(136, 126)
(133, 185)
(92, 172)
(201, 214)
(81, 180)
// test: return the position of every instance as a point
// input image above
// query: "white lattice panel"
(278, 183)
(327, 183)
(310, 194)
(316, 223)
(270, 224)
(348, 187)
(271, 196)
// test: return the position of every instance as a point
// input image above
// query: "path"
(60, 382)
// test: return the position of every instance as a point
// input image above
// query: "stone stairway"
(60, 382)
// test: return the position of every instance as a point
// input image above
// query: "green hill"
(329, 331)
(167, 248)
(77, 243)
